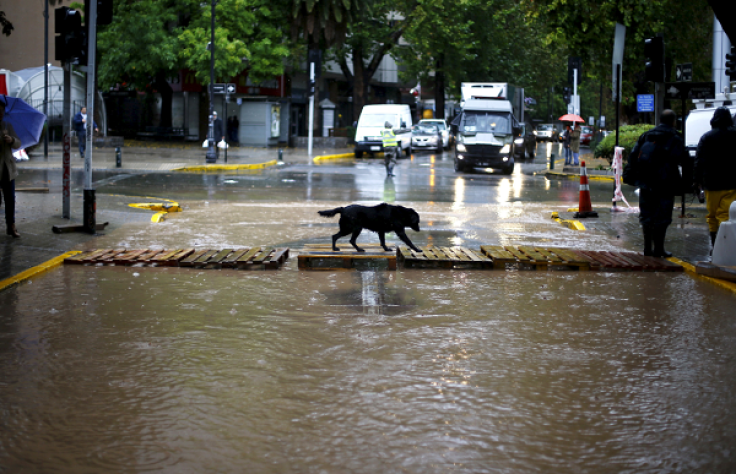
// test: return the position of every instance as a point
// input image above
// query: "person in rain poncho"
(8, 171)
(390, 148)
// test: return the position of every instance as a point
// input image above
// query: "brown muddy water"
(113, 369)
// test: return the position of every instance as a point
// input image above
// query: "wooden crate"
(255, 258)
(322, 257)
(443, 257)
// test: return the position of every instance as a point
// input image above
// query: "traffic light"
(654, 52)
(566, 94)
(731, 64)
(573, 63)
(71, 42)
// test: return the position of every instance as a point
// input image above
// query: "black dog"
(380, 219)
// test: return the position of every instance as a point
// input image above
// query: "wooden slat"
(248, 255)
(229, 261)
(129, 256)
(259, 258)
(518, 254)
(204, 259)
(277, 258)
(165, 255)
(551, 257)
(592, 262)
(630, 264)
(95, 254)
(472, 255)
(148, 256)
(533, 254)
(174, 260)
(568, 256)
(455, 254)
(110, 257)
(76, 259)
(189, 261)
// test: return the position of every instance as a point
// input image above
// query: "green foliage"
(628, 136)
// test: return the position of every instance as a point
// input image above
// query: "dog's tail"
(331, 212)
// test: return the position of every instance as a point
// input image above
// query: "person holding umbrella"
(575, 144)
(8, 171)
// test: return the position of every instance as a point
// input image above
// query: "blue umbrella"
(27, 121)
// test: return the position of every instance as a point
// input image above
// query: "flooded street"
(132, 369)
(177, 370)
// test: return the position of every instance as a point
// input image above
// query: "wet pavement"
(124, 369)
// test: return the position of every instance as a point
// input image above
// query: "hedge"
(627, 138)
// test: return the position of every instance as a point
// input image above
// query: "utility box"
(328, 116)
(260, 123)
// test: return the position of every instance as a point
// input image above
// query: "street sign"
(684, 72)
(645, 103)
(222, 88)
(690, 90)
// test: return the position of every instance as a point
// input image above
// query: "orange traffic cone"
(585, 208)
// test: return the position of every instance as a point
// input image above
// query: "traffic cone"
(585, 208)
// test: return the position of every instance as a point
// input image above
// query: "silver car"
(444, 130)
(426, 136)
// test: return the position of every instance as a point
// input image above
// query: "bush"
(627, 138)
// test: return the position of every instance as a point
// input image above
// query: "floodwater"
(124, 369)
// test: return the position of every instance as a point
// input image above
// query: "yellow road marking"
(37, 270)
(727, 285)
(211, 168)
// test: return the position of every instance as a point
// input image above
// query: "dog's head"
(413, 219)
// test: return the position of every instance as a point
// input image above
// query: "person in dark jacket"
(80, 126)
(715, 169)
(566, 144)
(659, 181)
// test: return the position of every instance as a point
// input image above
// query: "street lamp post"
(211, 156)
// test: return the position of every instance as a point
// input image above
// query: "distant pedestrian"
(655, 162)
(8, 171)
(715, 169)
(575, 145)
(390, 148)
(80, 126)
(233, 124)
(566, 137)
(217, 133)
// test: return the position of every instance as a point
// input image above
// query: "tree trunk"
(167, 95)
(359, 83)
(439, 91)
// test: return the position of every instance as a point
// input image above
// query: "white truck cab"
(372, 120)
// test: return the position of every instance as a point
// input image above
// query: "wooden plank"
(472, 255)
(593, 264)
(551, 258)
(568, 256)
(661, 264)
(429, 253)
(259, 258)
(230, 260)
(204, 259)
(604, 261)
(165, 255)
(95, 254)
(518, 254)
(189, 261)
(455, 254)
(247, 256)
(174, 260)
(110, 257)
(277, 259)
(630, 263)
(533, 254)
(128, 257)
(216, 260)
(148, 256)
(76, 259)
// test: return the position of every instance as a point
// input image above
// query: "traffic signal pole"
(310, 138)
(90, 206)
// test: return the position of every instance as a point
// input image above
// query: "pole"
(227, 99)
(89, 206)
(311, 112)
(46, 77)
(66, 143)
(575, 92)
(686, 173)
(618, 96)
(211, 156)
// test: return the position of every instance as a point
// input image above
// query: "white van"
(698, 124)
(372, 119)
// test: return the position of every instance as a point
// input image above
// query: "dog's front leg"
(382, 239)
(402, 235)
(356, 233)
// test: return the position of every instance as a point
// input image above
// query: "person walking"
(715, 169)
(8, 171)
(566, 145)
(80, 126)
(390, 148)
(655, 162)
(575, 145)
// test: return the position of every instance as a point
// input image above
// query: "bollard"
(118, 157)
(281, 154)
(552, 161)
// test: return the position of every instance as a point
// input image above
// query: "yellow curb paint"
(569, 223)
(210, 168)
(157, 206)
(37, 270)
(158, 217)
(690, 269)
(333, 157)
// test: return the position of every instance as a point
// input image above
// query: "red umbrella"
(571, 118)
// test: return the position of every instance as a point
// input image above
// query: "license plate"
(375, 148)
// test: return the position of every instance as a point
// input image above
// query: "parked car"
(444, 130)
(525, 144)
(547, 132)
(586, 134)
(424, 135)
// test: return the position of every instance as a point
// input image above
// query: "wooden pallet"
(626, 262)
(443, 257)
(322, 257)
(254, 258)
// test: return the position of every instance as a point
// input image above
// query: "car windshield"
(586, 130)
(378, 120)
(438, 124)
(545, 128)
(425, 129)
(494, 122)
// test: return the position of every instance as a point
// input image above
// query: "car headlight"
(535, 132)
(505, 149)
(519, 141)
(433, 139)
(693, 153)
(461, 147)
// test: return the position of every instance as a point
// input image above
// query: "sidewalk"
(160, 156)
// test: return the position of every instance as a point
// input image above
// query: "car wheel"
(359, 154)
(508, 169)
(440, 148)
(408, 151)
(458, 167)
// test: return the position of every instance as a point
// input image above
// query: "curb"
(37, 270)
(690, 269)
(210, 168)
(333, 157)
(161, 209)
(569, 223)
(560, 175)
